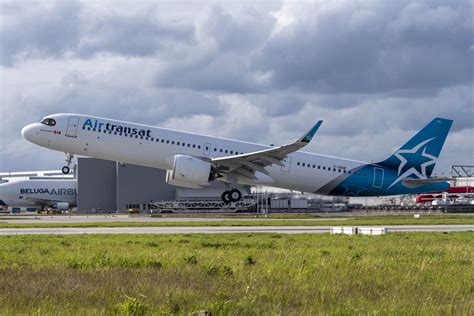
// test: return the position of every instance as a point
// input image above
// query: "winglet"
(309, 135)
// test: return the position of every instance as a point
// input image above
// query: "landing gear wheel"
(69, 158)
(235, 195)
(225, 197)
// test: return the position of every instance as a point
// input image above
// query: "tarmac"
(49, 219)
(220, 230)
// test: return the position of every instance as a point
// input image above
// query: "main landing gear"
(233, 195)
(66, 169)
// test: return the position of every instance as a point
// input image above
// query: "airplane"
(58, 194)
(193, 160)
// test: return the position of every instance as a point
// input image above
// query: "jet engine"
(61, 206)
(190, 172)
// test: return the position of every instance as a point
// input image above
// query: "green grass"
(374, 220)
(238, 274)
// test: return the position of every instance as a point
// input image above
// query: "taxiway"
(220, 230)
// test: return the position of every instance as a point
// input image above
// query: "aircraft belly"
(298, 180)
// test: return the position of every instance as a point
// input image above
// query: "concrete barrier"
(371, 231)
(349, 230)
(344, 230)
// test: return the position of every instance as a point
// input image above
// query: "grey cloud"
(64, 29)
(365, 47)
(219, 60)
(132, 34)
(240, 32)
(38, 29)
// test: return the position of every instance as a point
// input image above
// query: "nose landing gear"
(66, 169)
(233, 195)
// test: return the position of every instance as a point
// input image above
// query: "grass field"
(238, 274)
(374, 220)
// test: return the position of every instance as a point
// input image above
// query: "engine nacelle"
(61, 206)
(189, 172)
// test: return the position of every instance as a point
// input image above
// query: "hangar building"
(109, 186)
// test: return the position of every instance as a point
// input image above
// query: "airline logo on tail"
(416, 159)
(413, 162)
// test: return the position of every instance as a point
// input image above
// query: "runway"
(220, 230)
(51, 219)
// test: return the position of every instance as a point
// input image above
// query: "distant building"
(108, 186)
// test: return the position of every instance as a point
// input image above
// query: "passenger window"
(297, 163)
(304, 164)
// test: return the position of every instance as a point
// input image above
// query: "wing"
(247, 164)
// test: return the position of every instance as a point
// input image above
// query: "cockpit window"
(48, 121)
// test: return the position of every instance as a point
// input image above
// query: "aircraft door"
(207, 149)
(72, 126)
(378, 177)
(287, 165)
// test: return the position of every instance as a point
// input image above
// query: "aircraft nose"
(28, 131)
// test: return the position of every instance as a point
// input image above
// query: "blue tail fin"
(422, 150)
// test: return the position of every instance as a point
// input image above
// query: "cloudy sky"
(375, 71)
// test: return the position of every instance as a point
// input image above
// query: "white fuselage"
(38, 193)
(155, 147)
